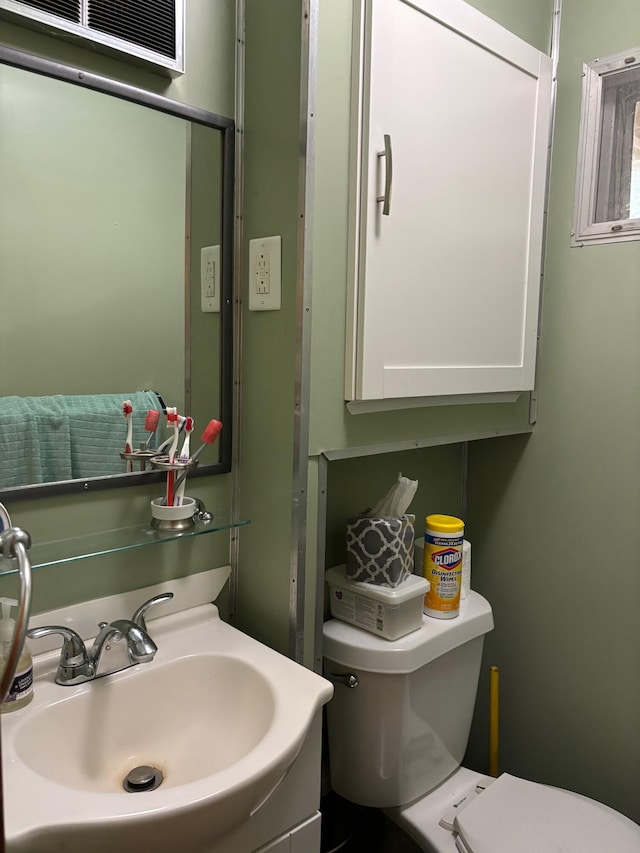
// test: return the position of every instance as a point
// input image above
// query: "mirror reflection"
(111, 250)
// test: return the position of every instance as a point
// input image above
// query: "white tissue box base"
(388, 612)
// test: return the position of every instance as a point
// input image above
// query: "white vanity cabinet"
(450, 144)
(289, 821)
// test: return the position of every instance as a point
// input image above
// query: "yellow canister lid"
(444, 523)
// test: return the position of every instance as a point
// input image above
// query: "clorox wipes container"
(443, 540)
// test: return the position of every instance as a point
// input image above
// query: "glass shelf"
(59, 551)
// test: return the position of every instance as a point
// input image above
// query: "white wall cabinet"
(447, 222)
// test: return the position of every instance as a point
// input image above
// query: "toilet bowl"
(522, 817)
(397, 739)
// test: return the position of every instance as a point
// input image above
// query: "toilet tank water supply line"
(494, 719)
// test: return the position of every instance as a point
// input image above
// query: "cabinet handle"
(388, 175)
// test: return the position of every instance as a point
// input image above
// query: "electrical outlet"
(265, 265)
(210, 279)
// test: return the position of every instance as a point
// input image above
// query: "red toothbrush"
(211, 432)
(151, 424)
(172, 421)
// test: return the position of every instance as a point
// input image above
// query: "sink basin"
(221, 716)
(121, 724)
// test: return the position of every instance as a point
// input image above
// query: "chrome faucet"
(118, 645)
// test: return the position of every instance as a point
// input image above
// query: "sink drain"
(143, 778)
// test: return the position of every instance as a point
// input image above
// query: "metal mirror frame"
(79, 77)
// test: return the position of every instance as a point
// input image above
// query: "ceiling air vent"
(147, 23)
(68, 9)
(149, 30)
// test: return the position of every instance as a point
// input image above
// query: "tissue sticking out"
(380, 540)
(397, 500)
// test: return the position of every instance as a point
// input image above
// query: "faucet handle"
(138, 616)
(74, 662)
(73, 650)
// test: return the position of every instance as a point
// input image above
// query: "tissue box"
(389, 613)
(380, 550)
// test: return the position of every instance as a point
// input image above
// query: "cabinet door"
(447, 282)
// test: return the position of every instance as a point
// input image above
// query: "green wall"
(92, 224)
(371, 438)
(209, 83)
(531, 20)
(209, 78)
(204, 332)
(268, 492)
(542, 510)
(271, 149)
(272, 152)
(555, 518)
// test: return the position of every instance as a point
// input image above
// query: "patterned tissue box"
(380, 550)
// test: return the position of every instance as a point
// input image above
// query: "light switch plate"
(210, 279)
(265, 273)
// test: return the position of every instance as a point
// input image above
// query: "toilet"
(397, 739)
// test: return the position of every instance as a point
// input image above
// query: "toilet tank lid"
(350, 646)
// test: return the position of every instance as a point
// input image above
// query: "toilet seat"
(514, 814)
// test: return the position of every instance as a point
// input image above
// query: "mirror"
(109, 195)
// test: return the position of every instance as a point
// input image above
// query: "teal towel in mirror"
(46, 439)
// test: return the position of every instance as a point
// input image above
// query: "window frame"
(592, 140)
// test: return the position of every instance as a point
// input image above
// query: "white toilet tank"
(405, 727)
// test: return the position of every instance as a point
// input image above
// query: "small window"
(607, 206)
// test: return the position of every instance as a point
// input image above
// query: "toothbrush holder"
(161, 463)
(141, 457)
(173, 518)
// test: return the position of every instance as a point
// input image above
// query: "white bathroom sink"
(221, 716)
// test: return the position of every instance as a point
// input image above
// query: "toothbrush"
(165, 444)
(127, 411)
(183, 458)
(150, 425)
(172, 421)
(211, 432)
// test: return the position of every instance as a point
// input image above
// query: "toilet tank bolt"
(346, 678)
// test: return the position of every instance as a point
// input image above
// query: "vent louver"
(148, 23)
(151, 30)
(67, 9)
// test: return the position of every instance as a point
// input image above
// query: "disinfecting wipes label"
(443, 569)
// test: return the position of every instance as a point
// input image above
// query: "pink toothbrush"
(183, 458)
(127, 411)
